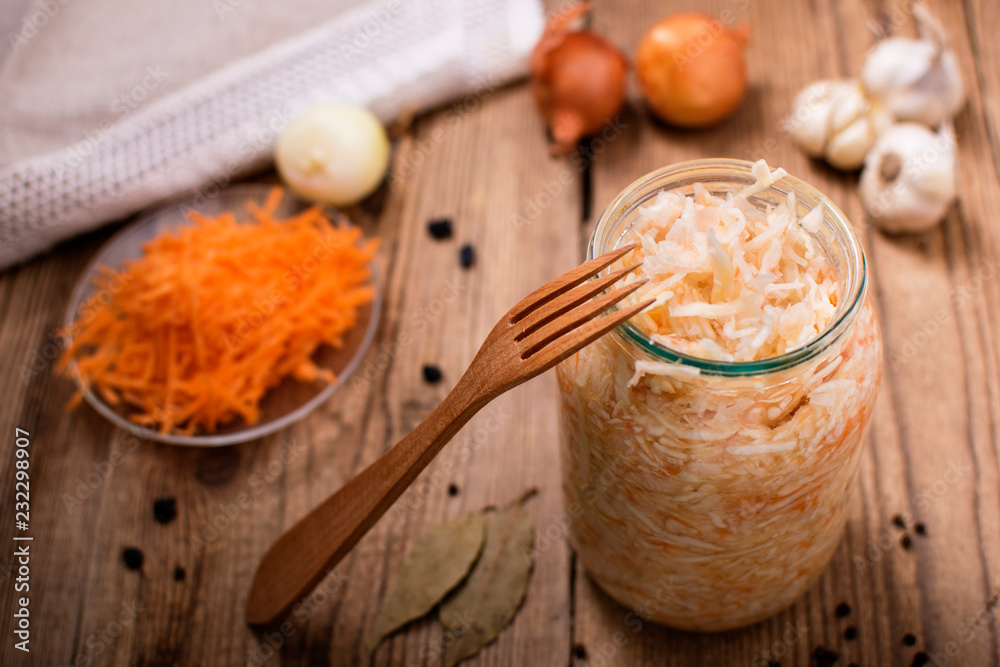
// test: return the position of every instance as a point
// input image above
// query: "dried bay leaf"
(490, 597)
(439, 561)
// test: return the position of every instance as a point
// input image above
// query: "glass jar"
(711, 500)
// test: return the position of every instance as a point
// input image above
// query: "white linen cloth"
(161, 137)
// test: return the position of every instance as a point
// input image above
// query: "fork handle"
(307, 551)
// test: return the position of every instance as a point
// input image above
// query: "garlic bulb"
(916, 79)
(908, 183)
(834, 120)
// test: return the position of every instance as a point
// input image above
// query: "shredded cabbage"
(705, 502)
(731, 282)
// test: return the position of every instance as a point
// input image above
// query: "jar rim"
(640, 190)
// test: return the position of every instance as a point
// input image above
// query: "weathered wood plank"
(511, 445)
(937, 291)
(485, 164)
(933, 452)
(935, 410)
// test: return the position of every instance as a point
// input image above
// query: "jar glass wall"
(712, 499)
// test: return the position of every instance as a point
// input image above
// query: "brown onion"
(691, 69)
(578, 80)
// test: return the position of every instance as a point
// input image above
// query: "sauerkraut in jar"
(710, 443)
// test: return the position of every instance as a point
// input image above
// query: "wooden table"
(932, 455)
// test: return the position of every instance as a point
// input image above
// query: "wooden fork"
(543, 329)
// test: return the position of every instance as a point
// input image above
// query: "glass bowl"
(284, 404)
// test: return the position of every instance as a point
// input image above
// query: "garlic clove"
(939, 98)
(916, 79)
(908, 182)
(896, 63)
(833, 119)
(848, 106)
(847, 149)
(808, 122)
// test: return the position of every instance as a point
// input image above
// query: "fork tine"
(565, 282)
(561, 325)
(567, 301)
(549, 355)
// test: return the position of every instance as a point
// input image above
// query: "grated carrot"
(216, 313)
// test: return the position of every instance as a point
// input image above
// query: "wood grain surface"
(932, 456)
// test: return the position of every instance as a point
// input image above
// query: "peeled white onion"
(334, 153)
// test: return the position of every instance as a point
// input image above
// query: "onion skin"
(578, 81)
(691, 69)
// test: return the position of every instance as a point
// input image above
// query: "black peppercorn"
(824, 657)
(132, 558)
(440, 228)
(165, 510)
(467, 256)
